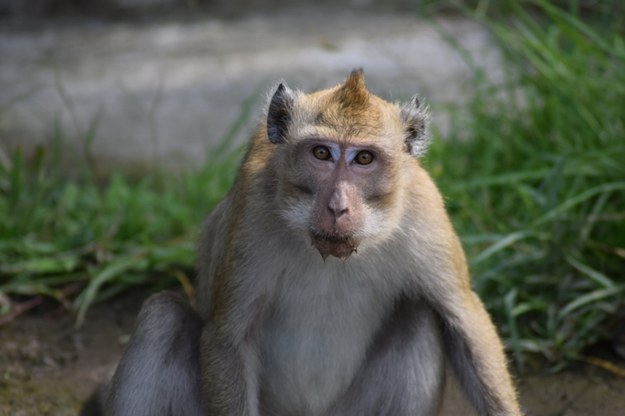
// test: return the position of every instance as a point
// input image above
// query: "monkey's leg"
(159, 373)
(405, 370)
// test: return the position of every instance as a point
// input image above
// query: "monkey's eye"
(364, 157)
(321, 153)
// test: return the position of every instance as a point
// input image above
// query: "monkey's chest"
(314, 340)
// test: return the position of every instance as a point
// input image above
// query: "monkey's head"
(341, 158)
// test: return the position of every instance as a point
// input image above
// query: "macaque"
(331, 281)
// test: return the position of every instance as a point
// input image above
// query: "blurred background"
(122, 122)
(158, 82)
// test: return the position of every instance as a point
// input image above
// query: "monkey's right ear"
(279, 114)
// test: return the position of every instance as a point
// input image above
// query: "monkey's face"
(341, 182)
(341, 193)
(340, 161)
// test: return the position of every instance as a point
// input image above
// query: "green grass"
(534, 176)
(533, 173)
(79, 240)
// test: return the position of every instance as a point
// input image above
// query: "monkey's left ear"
(279, 114)
(414, 115)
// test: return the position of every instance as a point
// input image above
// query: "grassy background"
(533, 172)
(534, 175)
(79, 240)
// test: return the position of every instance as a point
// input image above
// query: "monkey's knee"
(166, 324)
(159, 372)
(166, 312)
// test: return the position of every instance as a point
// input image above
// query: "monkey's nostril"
(337, 211)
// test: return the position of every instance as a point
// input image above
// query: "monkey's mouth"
(332, 244)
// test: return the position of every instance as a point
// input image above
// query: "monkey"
(330, 280)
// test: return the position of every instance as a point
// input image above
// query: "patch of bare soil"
(47, 367)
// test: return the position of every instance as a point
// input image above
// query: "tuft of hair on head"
(415, 116)
(279, 113)
(353, 94)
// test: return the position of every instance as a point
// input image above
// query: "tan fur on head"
(353, 94)
(347, 112)
(349, 108)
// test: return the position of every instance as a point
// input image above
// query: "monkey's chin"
(334, 245)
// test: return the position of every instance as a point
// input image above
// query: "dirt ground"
(49, 368)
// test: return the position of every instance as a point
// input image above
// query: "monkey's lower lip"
(336, 245)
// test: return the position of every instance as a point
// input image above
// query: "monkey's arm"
(210, 250)
(233, 295)
(477, 358)
(229, 372)
(471, 342)
(441, 275)
(229, 341)
(228, 345)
